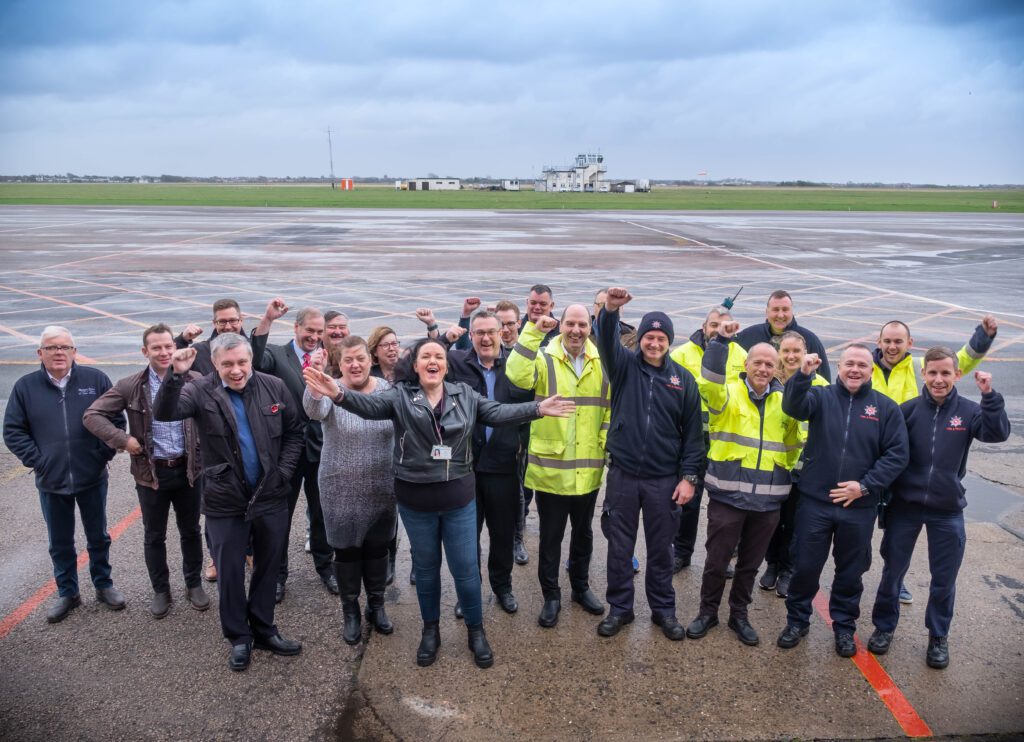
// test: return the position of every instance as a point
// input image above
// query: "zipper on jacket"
(647, 420)
(846, 436)
(401, 449)
(931, 466)
(760, 442)
(67, 436)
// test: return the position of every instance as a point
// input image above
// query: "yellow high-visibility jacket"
(753, 450)
(566, 454)
(690, 355)
(903, 383)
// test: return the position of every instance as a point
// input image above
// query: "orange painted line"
(11, 331)
(72, 304)
(19, 614)
(890, 694)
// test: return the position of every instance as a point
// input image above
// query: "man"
(690, 355)
(856, 447)
(508, 315)
(754, 447)
(566, 455)
(540, 303)
(929, 493)
(495, 450)
(656, 452)
(165, 464)
(286, 362)
(251, 438)
(778, 319)
(335, 328)
(894, 372)
(43, 428)
(627, 333)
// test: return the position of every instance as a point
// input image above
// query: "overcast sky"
(921, 91)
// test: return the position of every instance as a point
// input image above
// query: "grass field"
(385, 197)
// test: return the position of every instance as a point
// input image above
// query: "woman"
(434, 483)
(779, 563)
(385, 350)
(357, 489)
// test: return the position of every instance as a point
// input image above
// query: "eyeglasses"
(484, 333)
(226, 322)
(510, 325)
(388, 346)
(55, 348)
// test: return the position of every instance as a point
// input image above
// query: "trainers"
(782, 584)
(906, 598)
(770, 577)
(938, 652)
(879, 642)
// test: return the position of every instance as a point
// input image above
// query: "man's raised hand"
(984, 381)
(728, 329)
(546, 324)
(276, 309)
(191, 332)
(426, 316)
(470, 305)
(811, 363)
(182, 359)
(617, 297)
(989, 324)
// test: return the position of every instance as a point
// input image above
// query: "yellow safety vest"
(566, 454)
(902, 383)
(690, 355)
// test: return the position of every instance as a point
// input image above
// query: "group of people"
(469, 426)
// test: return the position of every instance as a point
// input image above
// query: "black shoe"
(845, 645)
(700, 626)
(880, 642)
(744, 631)
(111, 597)
(549, 613)
(791, 636)
(458, 610)
(679, 564)
(588, 601)
(507, 601)
(430, 642)
(519, 552)
(782, 586)
(730, 571)
(612, 624)
(670, 627)
(279, 593)
(160, 605)
(375, 576)
(198, 598)
(770, 577)
(62, 607)
(279, 645)
(240, 657)
(938, 652)
(482, 654)
(330, 582)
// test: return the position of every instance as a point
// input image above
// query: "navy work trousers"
(819, 526)
(59, 514)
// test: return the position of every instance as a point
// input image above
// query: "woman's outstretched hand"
(556, 407)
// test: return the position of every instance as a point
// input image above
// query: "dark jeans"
(243, 617)
(728, 527)
(497, 502)
(689, 518)
(625, 498)
(59, 514)
(781, 546)
(554, 511)
(947, 539)
(456, 530)
(174, 490)
(820, 525)
(306, 478)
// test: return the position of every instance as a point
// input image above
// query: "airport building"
(586, 175)
(434, 184)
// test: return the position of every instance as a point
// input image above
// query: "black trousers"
(728, 527)
(689, 518)
(497, 502)
(625, 498)
(848, 531)
(554, 511)
(780, 548)
(306, 478)
(243, 617)
(173, 491)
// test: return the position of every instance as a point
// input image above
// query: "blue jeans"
(59, 514)
(456, 530)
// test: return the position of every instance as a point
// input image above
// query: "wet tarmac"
(109, 272)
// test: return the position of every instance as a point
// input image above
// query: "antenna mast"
(330, 153)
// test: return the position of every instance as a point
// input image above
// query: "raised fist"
(454, 332)
(470, 305)
(984, 381)
(988, 322)
(182, 359)
(811, 363)
(546, 324)
(191, 332)
(426, 316)
(276, 309)
(617, 297)
(728, 329)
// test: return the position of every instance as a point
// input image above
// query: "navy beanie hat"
(655, 321)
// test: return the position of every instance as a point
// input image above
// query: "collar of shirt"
(579, 361)
(753, 392)
(299, 352)
(61, 383)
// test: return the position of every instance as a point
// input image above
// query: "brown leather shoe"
(210, 573)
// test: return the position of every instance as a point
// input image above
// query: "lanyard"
(435, 419)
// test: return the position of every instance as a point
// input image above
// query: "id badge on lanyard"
(440, 452)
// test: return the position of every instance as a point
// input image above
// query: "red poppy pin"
(274, 408)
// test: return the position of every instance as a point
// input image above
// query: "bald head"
(575, 328)
(761, 365)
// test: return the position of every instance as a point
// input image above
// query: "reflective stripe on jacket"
(754, 444)
(566, 454)
(690, 356)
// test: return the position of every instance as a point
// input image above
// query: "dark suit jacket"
(281, 361)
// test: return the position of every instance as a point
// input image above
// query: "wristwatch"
(864, 491)
(692, 479)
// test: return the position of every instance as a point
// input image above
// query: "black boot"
(482, 654)
(374, 577)
(350, 576)
(430, 642)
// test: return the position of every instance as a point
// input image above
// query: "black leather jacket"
(416, 433)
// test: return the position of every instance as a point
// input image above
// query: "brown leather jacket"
(131, 395)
